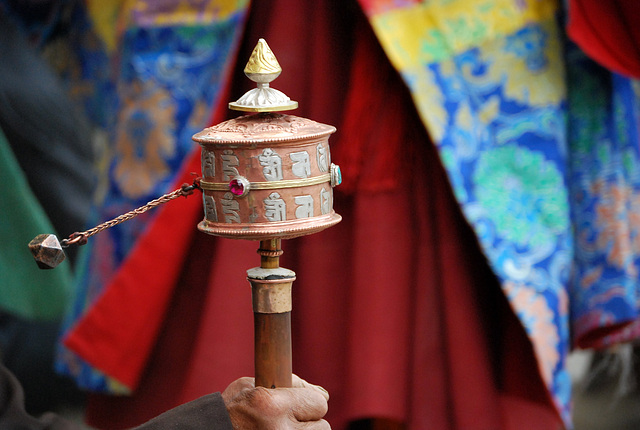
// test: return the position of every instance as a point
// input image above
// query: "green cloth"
(26, 290)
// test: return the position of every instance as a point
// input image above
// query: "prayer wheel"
(268, 176)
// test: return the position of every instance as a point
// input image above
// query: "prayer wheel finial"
(263, 65)
(262, 68)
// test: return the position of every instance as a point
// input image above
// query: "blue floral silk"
(604, 179)
(154, 83)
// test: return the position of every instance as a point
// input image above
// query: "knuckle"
(263, 400)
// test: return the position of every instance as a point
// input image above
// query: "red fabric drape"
(608, 32)
(396, 311)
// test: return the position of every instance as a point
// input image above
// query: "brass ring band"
(270, 253)
(271, 185)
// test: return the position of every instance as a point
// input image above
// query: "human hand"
(300, 407)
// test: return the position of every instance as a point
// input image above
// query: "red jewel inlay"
(236, 187)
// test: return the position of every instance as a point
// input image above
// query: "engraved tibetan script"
(301, 166)
(305, 206)
(325, 201)
(322, 157)
(230, 208)
(275, 208)
(208, 163)
(271, 165)
(254, 215)
(210, 209)
(229, 164)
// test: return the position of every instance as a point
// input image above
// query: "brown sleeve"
(207, 412)
(13, 416)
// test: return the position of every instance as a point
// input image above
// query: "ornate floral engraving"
(249, 125)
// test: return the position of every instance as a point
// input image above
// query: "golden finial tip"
(262, 68)
(262, 62)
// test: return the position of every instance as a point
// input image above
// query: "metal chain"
(80, 238)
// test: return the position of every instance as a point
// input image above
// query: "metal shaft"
(273, 349)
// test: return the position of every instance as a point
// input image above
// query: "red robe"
(608, 32)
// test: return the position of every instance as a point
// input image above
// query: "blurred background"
(485, 273)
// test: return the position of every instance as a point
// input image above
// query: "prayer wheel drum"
(267, 175)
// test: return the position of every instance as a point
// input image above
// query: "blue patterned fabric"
(503, 143)
(604, 171)
(151, 91)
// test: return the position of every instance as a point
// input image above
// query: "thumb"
(237, 387)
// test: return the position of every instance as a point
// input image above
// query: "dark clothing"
(207, 412)
(50, 138)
